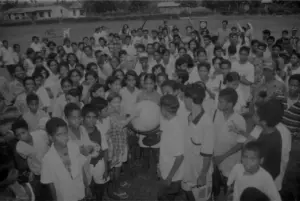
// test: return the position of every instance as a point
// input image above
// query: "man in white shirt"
(6, 54)
(128, 46)
(36, 45)
(246, 71)
(171, 149)
(198, 147)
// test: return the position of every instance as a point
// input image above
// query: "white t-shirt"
(261, 180)
(225, 139)
(246, 70)
(37, 47)
(129, 100)
(69, 186)
(7, 55)
(171, 146)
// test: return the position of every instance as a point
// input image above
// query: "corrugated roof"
(31, 9)
(168, 4)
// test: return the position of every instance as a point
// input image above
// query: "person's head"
(53, 66)
(149, 82)
(253, 194)
(114, 84)
(131, 79)
(91, 77)
(181, 63)
(18, 72)
(203, 70)
(158, 68)
(97, 90)
(92, 67)
(57, 130)
(224, 24)
(201, 55)
(73, 115)
(88, 51)
(73, 95)
(261, 48)
(227, 99)
(207, 39)
(119, 73)
(285, 34)
(35, 39)
(114, 101)
(251, 157)
(63, 69)
(170, 87)
(169, 106)
(181, 76)
(244, 53)
(100, 105)
(182, 51)
(234, 38)
(294, 85)
(32, 101)
(232, 80)
(90, 115)
(295, 58)
(21, 130)
(194, 95)
(75, 76)
(225, 66)
(29, 84)
(270, 41)
(66, 84)
(269, 70)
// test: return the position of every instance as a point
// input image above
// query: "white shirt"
(171, 146)
(34, 154)
(199, 141)
(261, 180)
(225, 139)
(68, 49)
(130, 49)
(7, 55)
(37, 47)
(129, 100)
(68, 186)
(44, 97)
(246, 70)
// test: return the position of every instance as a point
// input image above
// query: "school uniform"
(260, 180)
(69, 186)
(226, 139)
(32, 119)
(199, 143)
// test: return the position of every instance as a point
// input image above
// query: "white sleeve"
(24, 150)
(250, 74)
(46, 172)
(208, 140)
(233, 174)
(241, 124)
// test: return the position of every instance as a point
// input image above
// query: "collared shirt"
(69, 186)
(33, 119)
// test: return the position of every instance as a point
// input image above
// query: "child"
(99, 156)
(113, 85)
(97, 91)
(181, 76)
(129, 93)
(91, 78)
(34, 114)
(62, 166)
(73, 96)
(32, 147)
(171, 149)
(149, 93)
(117, 139)
(160, 78)
(61, 101)
(232, 80)
(75, 76)
(41, 91)
(251, 174)
(225, 67)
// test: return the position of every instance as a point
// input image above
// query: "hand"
(201, 181)
(85, 150)
(218, 159)
(167, 181)
(105, 175)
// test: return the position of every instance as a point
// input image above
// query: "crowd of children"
(229, 125)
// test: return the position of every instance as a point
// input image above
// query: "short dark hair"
(131, 73)
(271, 112)
(226, 62)
(70, 107)
(89, 108)
(170, 83)
(74, 92)
(196, 92)
(244, 49)
(230, 95)
(253, 146)
(295, 77)
(170, 103)
(31, 97)
(28, 78)
(183, 75)
(66, 79)
(231, 77)
(19, 123)
(99, 103)
(54, 124)
(204, 64)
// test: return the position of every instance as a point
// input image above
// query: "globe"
(149, 117)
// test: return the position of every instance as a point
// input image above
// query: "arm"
(52, 190)
(245, 81)
(206, 163)
(233, 150)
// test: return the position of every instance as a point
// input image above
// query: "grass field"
(22, 34)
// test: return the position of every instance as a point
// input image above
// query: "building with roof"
(170, 7)
(44, 12)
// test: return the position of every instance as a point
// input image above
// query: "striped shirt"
(291, 117)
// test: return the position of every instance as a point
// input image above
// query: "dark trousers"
(291, 183)
(168, 193)
(98, 190)
(41, 191)
(150, 158)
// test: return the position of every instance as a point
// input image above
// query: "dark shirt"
(271, 145)
(95, 137)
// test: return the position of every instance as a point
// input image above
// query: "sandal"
(125, 184)
(121, 195)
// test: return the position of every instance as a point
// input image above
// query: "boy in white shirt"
(62, 166)
(250, 174)
(171, 149)
(36, 45)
